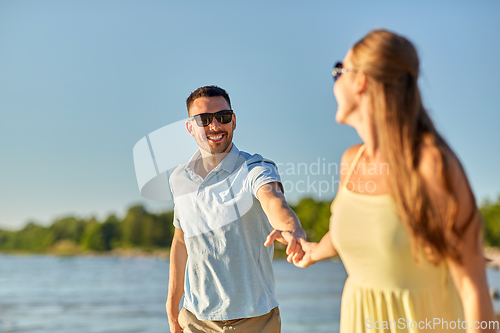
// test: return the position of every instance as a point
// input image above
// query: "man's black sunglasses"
(205, 119)
(338, 69)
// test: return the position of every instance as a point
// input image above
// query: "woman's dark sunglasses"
(338, 69)
(205, 119)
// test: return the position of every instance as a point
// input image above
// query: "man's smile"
(216, 138)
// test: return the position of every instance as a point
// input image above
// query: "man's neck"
(208, 161)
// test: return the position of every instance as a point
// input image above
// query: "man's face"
(215, 138)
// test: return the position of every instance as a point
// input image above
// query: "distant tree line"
(138, 229)
(143, 229)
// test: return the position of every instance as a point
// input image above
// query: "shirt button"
(201, 185)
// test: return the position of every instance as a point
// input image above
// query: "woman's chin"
(339, 118)
(346, 119)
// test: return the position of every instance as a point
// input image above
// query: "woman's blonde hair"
(391, 65)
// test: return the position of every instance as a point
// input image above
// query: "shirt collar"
(192, 161)
(228, 162)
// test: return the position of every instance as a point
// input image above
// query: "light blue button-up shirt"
(229, 272)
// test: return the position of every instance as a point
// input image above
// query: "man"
(225, 204)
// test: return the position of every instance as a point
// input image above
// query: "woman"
(404, 222)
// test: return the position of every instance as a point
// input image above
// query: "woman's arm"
(469, 275)
(470, 279)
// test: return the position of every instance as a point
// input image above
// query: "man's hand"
(291, 239)
(173, 323)
(178, 260)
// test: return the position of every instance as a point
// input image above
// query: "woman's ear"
(361, 82)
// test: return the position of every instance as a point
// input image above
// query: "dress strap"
(353, 164)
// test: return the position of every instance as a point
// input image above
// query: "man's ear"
(189, 127)
(234, 121)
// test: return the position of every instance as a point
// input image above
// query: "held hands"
(299, 250)
(293, 241)
(308, 248)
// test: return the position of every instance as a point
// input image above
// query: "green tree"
(93, 237)
(314, 217)
(491, 215)
(7, 239)
(68, 228)
(143, 229)
(148, 231)
(111, 231)
(164, 229)
(33, 238)
(133, 225)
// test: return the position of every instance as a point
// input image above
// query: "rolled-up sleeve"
(176, 222)
(262, 173)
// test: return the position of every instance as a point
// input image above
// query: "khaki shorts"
(268, 323)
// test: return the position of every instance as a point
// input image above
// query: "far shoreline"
(492, 255)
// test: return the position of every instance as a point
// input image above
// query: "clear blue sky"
(82, 81)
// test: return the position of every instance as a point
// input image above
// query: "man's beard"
(216, 148)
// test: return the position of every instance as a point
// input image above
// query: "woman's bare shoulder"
(350, 153)
(347, 159)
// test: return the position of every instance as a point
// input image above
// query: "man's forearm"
(287, 228)
(281, 216)
(178, 259)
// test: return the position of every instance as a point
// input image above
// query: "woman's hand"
(305, 260)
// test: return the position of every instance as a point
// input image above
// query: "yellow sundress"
(386, 290)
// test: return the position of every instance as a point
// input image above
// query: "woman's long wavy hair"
(403, 125)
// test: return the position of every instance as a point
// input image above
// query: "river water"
(43, 294)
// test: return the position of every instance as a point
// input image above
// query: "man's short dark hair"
(207, 91)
